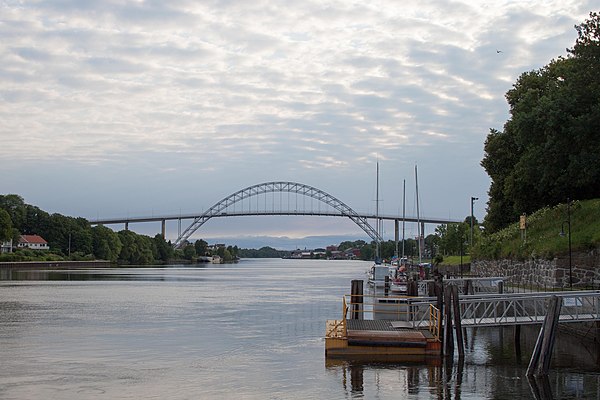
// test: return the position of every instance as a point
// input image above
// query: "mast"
(403, 212)
(378, 224)
(418, 215)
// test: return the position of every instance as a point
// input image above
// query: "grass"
(542, 234)
(455, 260)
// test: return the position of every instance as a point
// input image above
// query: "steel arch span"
(272, 187)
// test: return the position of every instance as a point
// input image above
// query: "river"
(251, 330)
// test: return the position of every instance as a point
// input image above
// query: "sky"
(133, 108)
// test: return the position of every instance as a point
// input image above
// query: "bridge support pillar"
(163, 229)
(126, 226)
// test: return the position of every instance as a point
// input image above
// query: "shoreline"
(56, 264)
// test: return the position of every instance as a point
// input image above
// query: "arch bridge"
(274, 198)
(222, 207)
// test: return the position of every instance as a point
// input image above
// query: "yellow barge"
(382, 339)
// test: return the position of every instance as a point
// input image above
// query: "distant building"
(6, 247)
(33, 242)
(352, 254)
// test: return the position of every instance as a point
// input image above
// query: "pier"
(378, 325)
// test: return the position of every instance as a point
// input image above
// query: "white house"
(33, 242)
(6, 247)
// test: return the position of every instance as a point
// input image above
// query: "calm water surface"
(252, 330)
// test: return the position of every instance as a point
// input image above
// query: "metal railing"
(480, 309)
(434, 321)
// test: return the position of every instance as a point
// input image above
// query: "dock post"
(356, 299)
(386, 287)
(542, 353)
(448, 336)
(438, 289)
(518, 341)
(457, 322)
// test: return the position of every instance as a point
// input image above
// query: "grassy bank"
(542, 237)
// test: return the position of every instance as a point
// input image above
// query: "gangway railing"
(484, 309)
(529, 308)
(479, 284)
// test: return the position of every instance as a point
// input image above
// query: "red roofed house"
(33, 242)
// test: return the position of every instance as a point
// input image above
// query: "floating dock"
(381, 339)
(356, 338)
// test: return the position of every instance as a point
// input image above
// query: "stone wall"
(585, 270)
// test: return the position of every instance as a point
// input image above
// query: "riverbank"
(57, 264)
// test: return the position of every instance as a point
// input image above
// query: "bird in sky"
(499, 51)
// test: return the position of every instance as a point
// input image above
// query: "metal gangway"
(481, 310)
(479, 285)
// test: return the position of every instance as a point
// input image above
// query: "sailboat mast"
(418, 215)
(403, 212)
(378, 224)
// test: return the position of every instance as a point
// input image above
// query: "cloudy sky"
(115, 108)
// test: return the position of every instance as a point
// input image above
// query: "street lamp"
(472, 201)
(562, 233)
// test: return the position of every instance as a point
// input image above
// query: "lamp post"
(472, 201)
(562, 233)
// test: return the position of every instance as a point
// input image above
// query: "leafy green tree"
(164, 248)
(548, 149)
(137, 249)
(452, 238)
(201, 247)
(15, 206)
(106, 243)
(189, 252)
(6, 229)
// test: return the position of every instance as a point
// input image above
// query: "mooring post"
(438, 289)
(356, 299)
(542, 353)
(457, 321)
(448, 335)
(386, 287)
(518, 341)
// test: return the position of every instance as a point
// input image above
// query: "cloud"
(249, 91)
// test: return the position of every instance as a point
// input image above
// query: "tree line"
(75, 239)
(547, 152)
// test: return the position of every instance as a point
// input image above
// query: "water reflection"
(540, 387)
(252, 331)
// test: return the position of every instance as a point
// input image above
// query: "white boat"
(399, 284)
(377, 275)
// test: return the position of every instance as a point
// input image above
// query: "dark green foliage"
(164, 248)
(137, 249)
(543, 228)
(106, 243)
(263, 252)
(201, 247)
(6, 229)
(549, 147)
(189, 252)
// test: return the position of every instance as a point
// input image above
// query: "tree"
(548, 149)
(452, 237)
(15, 207)
(201, 247)
(6, 229)
(105, 243)
(137, 249)
(189, 252)
(164, 248)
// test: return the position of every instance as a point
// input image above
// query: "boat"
(377, 275)
(398, 276)
(399, 285)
